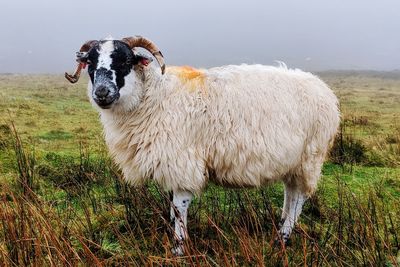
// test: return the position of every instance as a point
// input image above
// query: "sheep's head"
(109, 63)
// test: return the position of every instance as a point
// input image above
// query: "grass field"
(62, 201)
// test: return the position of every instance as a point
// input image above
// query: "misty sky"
(42, 36)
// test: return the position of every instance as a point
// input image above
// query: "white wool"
(105, 60)
(239, 126)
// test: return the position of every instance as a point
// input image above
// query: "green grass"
(77, 211)
(46, 109)
(371, 96)
(56, 135)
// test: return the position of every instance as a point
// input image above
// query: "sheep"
(236, 125)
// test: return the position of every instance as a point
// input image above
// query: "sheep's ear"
(142, 59)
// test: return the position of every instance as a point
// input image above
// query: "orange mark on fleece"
(191, 77)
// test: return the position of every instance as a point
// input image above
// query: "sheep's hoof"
(282, 240)
(178, 251)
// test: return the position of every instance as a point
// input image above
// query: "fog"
(42, 36)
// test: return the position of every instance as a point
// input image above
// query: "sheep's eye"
(88, 62)
(126, 63)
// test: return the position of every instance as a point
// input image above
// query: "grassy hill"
(62, 201)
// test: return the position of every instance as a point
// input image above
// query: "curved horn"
(73, 78)
(139, 41)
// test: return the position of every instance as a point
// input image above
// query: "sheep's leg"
(293, 204)
(285, 209)
(179, 211)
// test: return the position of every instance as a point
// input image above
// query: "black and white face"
(110, 62)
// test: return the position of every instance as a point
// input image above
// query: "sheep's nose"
(102, 92)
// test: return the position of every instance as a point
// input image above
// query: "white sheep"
(242, 126)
